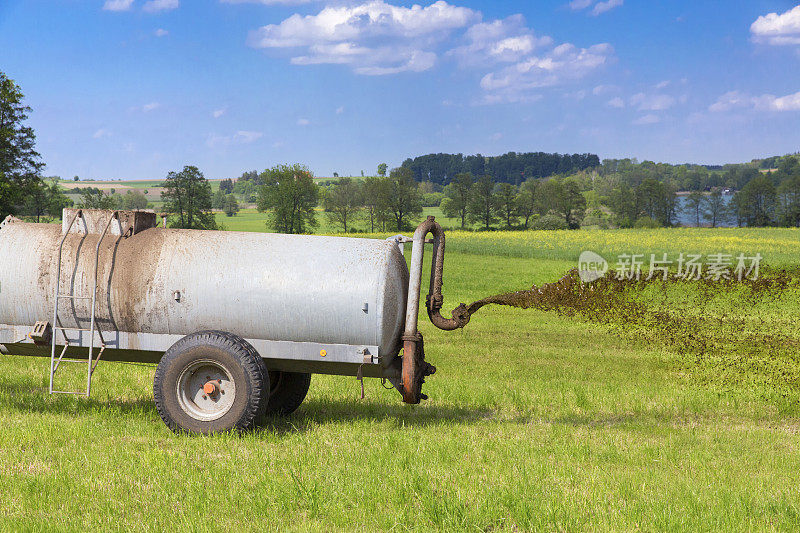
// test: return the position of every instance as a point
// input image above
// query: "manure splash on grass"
(731, 327)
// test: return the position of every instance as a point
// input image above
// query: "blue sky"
(135, 88)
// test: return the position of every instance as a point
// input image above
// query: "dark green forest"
(507, 168)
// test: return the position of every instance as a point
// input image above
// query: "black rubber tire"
(247, 370)
(287, 392)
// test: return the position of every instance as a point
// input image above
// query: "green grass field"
(253, 220)
(536, 421)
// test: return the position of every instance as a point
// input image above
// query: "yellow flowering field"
(779, 247)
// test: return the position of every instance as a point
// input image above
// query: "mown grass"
(536, 422)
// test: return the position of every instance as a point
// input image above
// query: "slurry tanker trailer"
(237, 322)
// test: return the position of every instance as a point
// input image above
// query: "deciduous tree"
(401, 197)
(343, 202)
(695, 203)
(134, 201)
(788, 195)
(187, 196)
(483, 202)
(93, 198)
(528, 201)
(565, 199)
(755, 203)
(507, 206)
(291, 196)
(376, 212)
(715, 210)
(230, 206)
(456, 205)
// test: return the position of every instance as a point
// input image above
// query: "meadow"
(537, 420)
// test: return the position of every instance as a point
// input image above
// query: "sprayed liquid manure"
(690, 317)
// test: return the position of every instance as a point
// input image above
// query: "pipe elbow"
(460, 318)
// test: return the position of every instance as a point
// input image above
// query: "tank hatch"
(96, 220)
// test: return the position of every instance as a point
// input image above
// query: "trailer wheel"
(211, 381)
(287, 391)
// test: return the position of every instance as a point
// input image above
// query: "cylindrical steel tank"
(256, 285)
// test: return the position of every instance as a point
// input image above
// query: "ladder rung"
(73, 329)
(73, 297)
(77, 393)
(84, 361)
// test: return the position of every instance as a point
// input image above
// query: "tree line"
(624, 193)
(512, 167)
(618, 193)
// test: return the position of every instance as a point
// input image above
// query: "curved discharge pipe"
(414, 366)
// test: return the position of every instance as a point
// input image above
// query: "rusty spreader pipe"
(414, 366)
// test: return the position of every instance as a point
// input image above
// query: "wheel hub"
(210, 388)
(206, 390)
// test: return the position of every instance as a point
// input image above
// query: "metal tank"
(127, 290)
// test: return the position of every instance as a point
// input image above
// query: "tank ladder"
(91, 362)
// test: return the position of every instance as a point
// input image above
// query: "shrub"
(432, 199)
(549, 222)
(646, 222)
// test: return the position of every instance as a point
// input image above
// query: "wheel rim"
(206, 390)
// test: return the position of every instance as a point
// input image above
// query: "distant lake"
(687, 219)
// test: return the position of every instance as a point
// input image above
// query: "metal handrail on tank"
(92, 366)
(92, 361)
(53, 365)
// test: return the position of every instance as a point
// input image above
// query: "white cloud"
(153, 6)
(730, 100)
(577, 5)
(372, 38)
(652, 102)
(101, 133)
(662, 85)
(219, 112)
(117, 5)
(499, 41)
(267, 2)
(617, 102)
(646, 119)
(496, 136)
(377, 38)
(766, 102)
(599, 7)
(368, 61)
(777, 29)
(603, 89)
(602, 7)
(372, 19)
(161, 32)
(152, 106)
(238, 138)
(340, 110)
(246, 137)
(564, 63)
(789, 102)
(303, 122)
